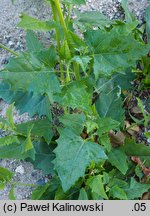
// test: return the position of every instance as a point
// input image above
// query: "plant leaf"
(9, 116)
(97, 186)
(92, 18)
(8, 151)
(8, 140)
(32, 42)
(110, 105)
(83, 61)
(77, 2)
(117, 158)
(113, 52)
(5, 177)
(41, 128)
(32, 69)
(83, 194)
(26, 101)
(74, 121)
(30, 23)
(44, 157)
(128, 15)
(11, 194)
(79, 152)
(133, 149)
(105, 141)
(147, 19)
(27, 144)
(135, 189)
(106, 124)
(39, 191)
(117, 192)
(75, 95)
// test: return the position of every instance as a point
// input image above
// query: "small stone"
(20, 170)
(11, 44)
(18, 43)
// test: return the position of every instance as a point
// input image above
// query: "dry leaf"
(116, 139)
(146, 196)
(133, 130)
(136, 110)
(145, 170)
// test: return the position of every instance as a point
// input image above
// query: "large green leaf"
(74, 121)
(117, 192)
(32, 42)
(110, 105)
(73, 155)
(92, 18)
(18, 150)
(117, 158)
(134, 149)
(30, 23)
(75, 95)
(26, 101)
(35, 76)
(41, 128)
(136, 189)
(44, 157)
(45, 83)
(113, 52)
(47, 57)
(122, 80)
(34, 92)
(106, 124)
(97, 186)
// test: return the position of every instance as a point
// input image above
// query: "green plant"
(86, 77)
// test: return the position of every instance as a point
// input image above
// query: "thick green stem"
(57, 39)
(61, 17)
(55, 18)
(8, 50)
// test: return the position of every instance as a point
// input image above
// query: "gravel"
(14, 38)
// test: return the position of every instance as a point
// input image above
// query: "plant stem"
(23, 184)
(76, 70)
(57, 39)
(69, 13)
(61, 17)
(8, 50)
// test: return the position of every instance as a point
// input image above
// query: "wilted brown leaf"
(116, 139)
(136, 110)
(132, 129)
(146, 196)
(145, 170)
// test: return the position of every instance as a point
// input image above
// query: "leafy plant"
(85, 75)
